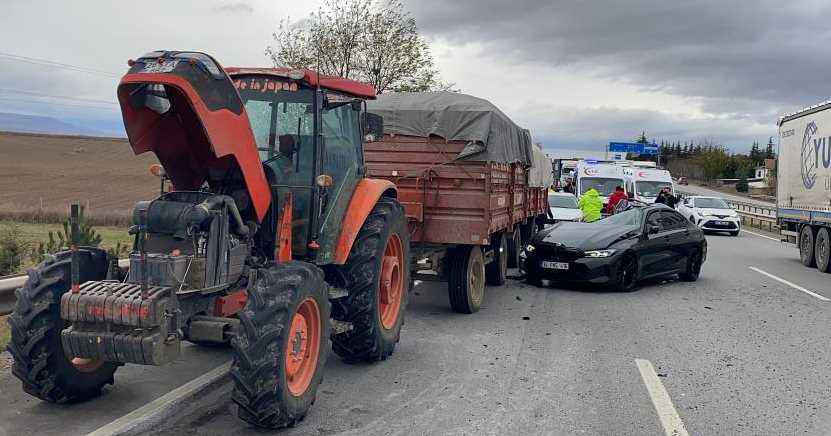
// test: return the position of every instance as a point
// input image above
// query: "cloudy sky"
(577, 73)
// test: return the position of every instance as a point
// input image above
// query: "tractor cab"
(309, 135)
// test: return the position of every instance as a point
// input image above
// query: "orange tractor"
(270, 237)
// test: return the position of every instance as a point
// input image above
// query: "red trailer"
(462, 169)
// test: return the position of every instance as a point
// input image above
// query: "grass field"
(33, 234)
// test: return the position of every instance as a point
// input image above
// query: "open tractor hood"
(183, 107)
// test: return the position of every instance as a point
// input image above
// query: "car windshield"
(629, 217)
(603, 185)
(711, 203)
(647, 188)
(563, 201)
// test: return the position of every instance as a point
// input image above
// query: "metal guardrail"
(755, 215)
(8, 285)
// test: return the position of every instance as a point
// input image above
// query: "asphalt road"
(737, 352)
(702, 190)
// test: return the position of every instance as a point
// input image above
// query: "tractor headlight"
(599, 253)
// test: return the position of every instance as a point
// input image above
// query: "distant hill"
(11, 122)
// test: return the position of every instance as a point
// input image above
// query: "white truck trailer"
(803, 194)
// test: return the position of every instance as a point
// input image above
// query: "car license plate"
(722, 223)
(555, 265)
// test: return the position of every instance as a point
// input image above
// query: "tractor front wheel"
(376, 276)
(281, 347)
(36, 325)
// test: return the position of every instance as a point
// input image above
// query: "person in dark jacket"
(569, 186)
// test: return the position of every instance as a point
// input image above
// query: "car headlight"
(599, 253)
(705, 214)
(529, 248)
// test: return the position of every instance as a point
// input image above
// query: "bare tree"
(375, 41)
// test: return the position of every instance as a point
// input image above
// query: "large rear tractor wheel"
(36, 325)
(497, 270)
(466, 281)
(514, 248)
(281, 347)
(806, 246)
(377, 279)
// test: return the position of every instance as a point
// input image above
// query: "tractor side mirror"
(373, 126)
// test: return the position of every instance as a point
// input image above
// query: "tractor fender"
(364, 198)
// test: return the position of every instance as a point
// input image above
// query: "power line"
(54, 64)
(54, 103)
(63, 97)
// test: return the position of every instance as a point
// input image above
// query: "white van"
(604, 177)
(646, 183)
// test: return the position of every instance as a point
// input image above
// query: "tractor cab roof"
(312, 78)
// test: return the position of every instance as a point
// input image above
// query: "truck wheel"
(497, 271)
(821, 250)
(36, 325)
(377, 278)
(466, 281)
(281, 347)
(514, 248)
(806, 246)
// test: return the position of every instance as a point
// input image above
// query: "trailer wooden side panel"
(450, 201)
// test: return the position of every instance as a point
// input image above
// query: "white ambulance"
(646, 183)
(603, 177)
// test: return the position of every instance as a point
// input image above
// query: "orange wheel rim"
(303, 347)
(391, 286)
(84, 364)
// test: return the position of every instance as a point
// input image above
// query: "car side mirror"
(653, 229)
(373, 126)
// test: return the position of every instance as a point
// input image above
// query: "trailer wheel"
(281, 347)
(497, 271)
(806, 246)
(514, 248)
(821, 250)
(36, 325)
(377, 278)
(466, 281)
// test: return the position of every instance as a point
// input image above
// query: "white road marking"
(160, 408)
(673, 426)
(761, 236)
(797, 287)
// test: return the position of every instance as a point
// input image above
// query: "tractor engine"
(190, 249)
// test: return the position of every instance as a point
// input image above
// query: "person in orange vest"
(614, 199)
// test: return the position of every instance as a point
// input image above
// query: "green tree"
(60, 240)
(715, 162)
(642, 139)
(742, 186)
(13, 249)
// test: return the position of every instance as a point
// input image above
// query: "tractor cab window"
(282, 120)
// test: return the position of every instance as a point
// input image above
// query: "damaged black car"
(641, 242)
